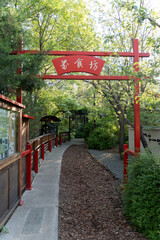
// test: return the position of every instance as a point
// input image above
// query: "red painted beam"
(67, 53)
(27, 116)
(82, 77)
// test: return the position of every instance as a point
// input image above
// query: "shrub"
(101, 138)
(141, 196)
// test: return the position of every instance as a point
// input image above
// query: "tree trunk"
(143, 140)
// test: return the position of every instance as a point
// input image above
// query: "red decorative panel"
(78, 63)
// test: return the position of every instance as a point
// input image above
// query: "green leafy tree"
(12, 31)
(58, 100)
(56, 25)
(118, 37)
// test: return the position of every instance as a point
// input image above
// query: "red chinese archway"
(77, 61)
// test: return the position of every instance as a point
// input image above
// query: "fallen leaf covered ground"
(90, 206)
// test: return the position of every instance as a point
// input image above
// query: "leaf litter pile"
(90, 206)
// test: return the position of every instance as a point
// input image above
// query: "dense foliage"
(103, 136)
(69, 25)
(131, 20)
(43, 25)
(11, 31)
(141, 195)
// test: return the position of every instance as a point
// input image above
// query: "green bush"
(102, 138)
(141, 196)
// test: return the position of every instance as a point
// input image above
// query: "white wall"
(152, 137)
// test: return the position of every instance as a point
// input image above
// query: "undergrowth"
(102, 137)
(141, 196)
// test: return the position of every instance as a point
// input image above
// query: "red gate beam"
(82, 77)
(68, 53)
(90, 77)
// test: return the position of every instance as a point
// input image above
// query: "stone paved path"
(111, 161)
(37, 218)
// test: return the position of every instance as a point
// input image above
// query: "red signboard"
(78, 63)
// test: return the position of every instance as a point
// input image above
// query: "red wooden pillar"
(20, 162)
(56, 142)
(50, 145)
(29, 168)
(136, 99)
(43, 151)
(36, 161)
(60, 140)
(20, 100)
(125, 164)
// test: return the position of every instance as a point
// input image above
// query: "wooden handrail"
(40, 137)
(34, 146)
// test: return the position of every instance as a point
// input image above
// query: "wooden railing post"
(50, 145)
(60, 140)
(43, 151)
(29, 168)
(36, 161)
(125, 164)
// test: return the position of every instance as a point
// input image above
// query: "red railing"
(36, 149)
(125, 161)
(64, 136)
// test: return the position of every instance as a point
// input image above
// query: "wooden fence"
(33, 152)
(36, 149)
(65, 136)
